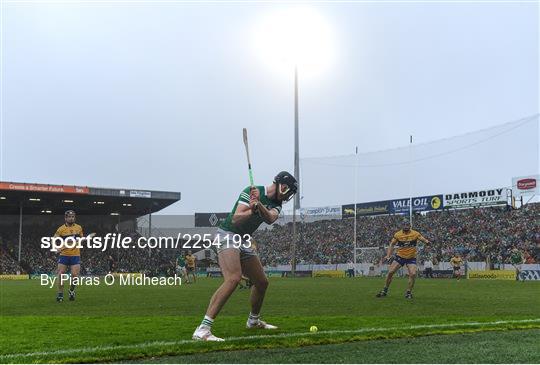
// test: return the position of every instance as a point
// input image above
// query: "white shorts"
(227, 242)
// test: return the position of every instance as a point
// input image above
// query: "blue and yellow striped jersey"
(406, 243)
(65, 231)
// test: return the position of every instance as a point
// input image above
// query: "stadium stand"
(480, 234)
(30, 211)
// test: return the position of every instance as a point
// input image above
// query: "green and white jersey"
(516, 257)
(249, 226)
(180, 260)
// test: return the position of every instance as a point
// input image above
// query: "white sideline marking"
(281, 335)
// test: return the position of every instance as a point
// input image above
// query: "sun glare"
(295, 36)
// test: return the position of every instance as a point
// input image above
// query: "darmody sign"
(475, 198)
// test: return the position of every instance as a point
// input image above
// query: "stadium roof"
(56, 199)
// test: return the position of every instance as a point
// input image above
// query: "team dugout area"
(30, 212)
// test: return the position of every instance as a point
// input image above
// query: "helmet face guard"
(286, 192)
(69, 216)
(286, 186)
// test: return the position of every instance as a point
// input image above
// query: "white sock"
(253, 317)
(207, 321)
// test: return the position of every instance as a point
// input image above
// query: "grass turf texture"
(125, 322)
(487, 347)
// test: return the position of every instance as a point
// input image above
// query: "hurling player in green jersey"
(181, 267)
(516, 258)
(236, 255)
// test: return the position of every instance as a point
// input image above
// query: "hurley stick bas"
(249, 163)
(248, 159)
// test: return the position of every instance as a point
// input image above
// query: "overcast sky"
(154, 96)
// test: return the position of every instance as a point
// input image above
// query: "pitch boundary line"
(280, 335)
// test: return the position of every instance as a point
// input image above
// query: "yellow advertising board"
(14, 277)
(328, 274)
(492, 274)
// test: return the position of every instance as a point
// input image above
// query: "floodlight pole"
(20, 231)
(355, 200)
(410, 182)
(296, 203)
(149, 222)
(296, 142)
(149, 228)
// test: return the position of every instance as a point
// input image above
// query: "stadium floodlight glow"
(99, 203)
(67, 201)
(295, 37)
(46, 211)
(2, 198)
(126, 205)
(34, 199)
(115, 213)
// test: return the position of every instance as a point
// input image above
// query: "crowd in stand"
(8, 265)
(482, 234)
(36, 260)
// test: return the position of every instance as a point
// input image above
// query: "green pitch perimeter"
(120, 323)
(493, 347)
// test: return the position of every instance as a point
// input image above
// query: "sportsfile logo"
(121, 241)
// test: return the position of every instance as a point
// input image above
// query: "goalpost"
(368, 259)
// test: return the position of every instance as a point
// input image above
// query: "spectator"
(428, 268)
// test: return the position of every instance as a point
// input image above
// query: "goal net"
(369, 255)
(368, 260)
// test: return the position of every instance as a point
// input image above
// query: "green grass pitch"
(127, 323)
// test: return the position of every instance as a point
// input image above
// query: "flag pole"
(410, 181)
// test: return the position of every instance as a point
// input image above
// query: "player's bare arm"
(242, 214)
(390, 250)
(269, 216)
